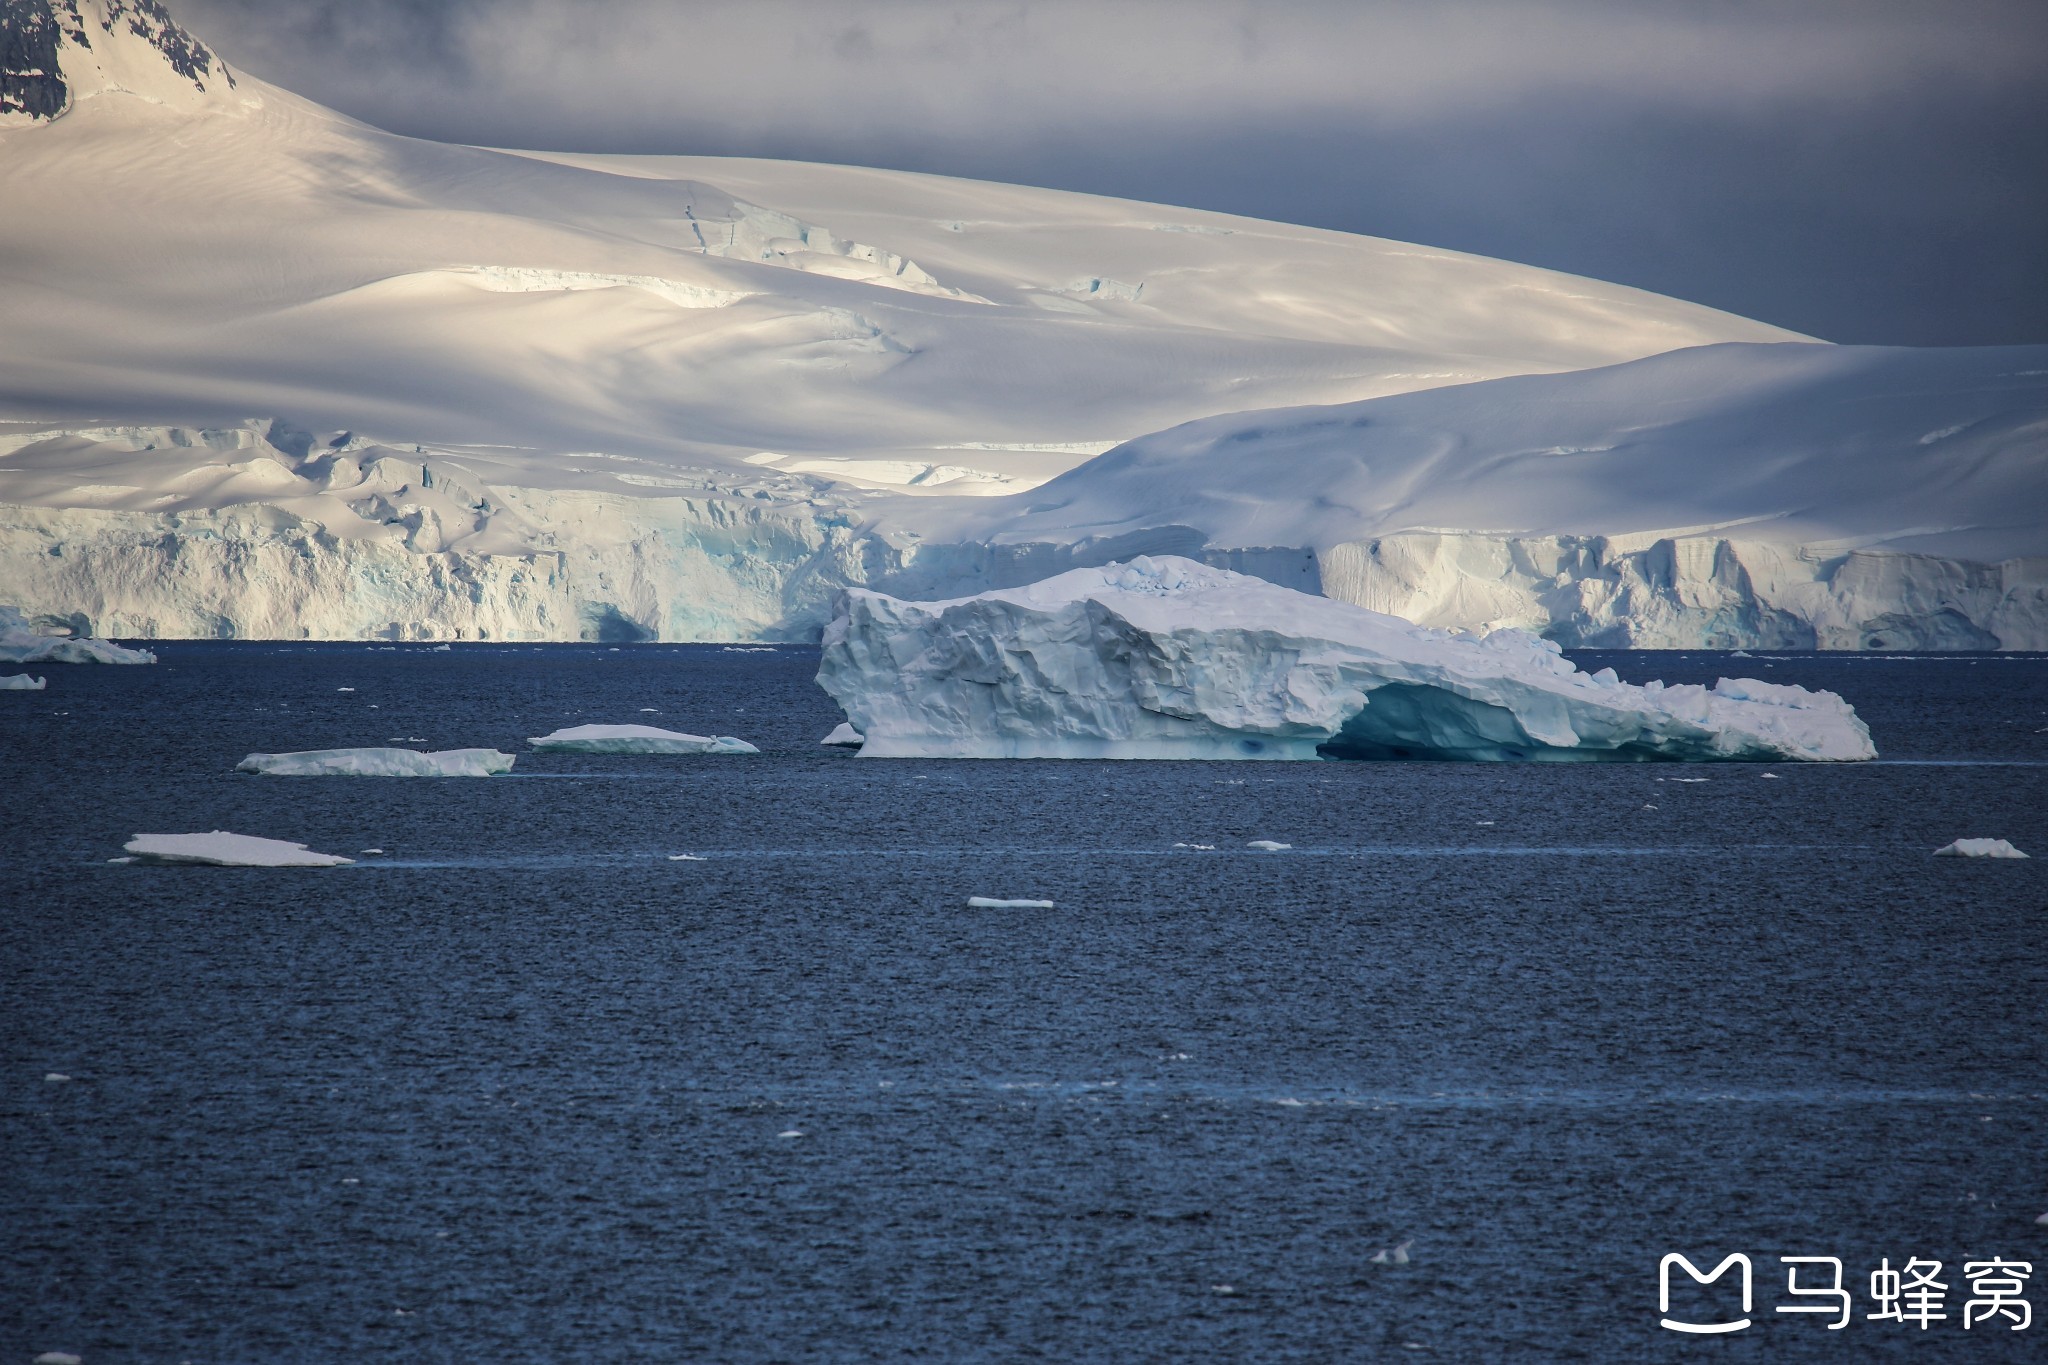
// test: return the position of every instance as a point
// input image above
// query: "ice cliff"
(1168, 658)
(1782, 496)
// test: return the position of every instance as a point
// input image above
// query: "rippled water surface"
(529, 1085)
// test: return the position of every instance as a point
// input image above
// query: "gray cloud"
(1858, 169)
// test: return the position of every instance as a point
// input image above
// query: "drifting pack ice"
(1168, 658)
(379, 762)
(222, 849)
(638, 739)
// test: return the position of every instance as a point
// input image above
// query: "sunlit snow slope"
(266, 371)
(1839, 497)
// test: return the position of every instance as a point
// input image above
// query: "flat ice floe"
(1168, 658)
(379, 763)
(999, 903)
(222, 849)
(22, 682)
(1978, 848)
(638, 739)
(21, 644)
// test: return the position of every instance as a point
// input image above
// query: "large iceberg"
(1168, 658)
(222, 849)
(379, 763)
(638, 739)
(21, 643)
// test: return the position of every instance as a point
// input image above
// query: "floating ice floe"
(55, 1077)
(1393, 1255)
(844, 736)
(1168, 658)
(688, 858)
(1268, 845)
(22, 682)
(59, 1358)
(222, 849)
(638, 739)
(1978, 848)
(997, 903)
(20, 644)
(379, 763)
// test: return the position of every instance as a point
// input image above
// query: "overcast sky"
(1862, 170)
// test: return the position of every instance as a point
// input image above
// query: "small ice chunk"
(1393, 1255)
(442, 649)
(790, 1133)
(997, 903)
(650, 710)
(1741, 654)
(1978, 848)
(1772, 775)
(379, 763)
(688, 858)
(2042, 1221)
(844, 736)
(222, 849)
(637, 739)
(369, 850)
(1268, 845)
(59, 1358)
(22, 682)
(56, 1077)
(344, 689)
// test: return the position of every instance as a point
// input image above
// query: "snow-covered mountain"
(267, 371)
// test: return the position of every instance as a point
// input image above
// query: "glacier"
(637, 739)
(222, 849)
(412, 391)
(379, 762)
(1168, 658)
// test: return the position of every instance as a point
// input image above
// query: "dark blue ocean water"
(517, 1089)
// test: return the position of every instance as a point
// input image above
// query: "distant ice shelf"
(1168, 658)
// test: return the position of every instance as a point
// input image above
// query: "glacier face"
(1780, 496)
(1168, 658)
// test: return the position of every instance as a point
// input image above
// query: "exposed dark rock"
(32, 33)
